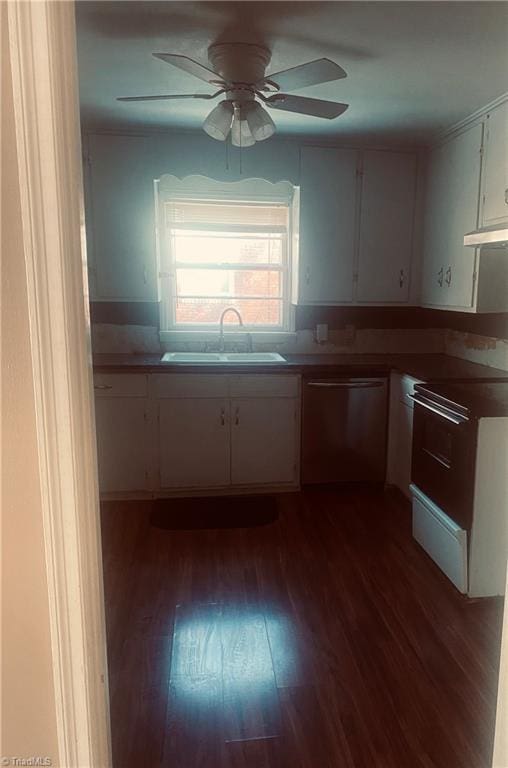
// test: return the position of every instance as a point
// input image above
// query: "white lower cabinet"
(263, 440)
(122, 445)
(172, 433)
(400, 435)
(244, 433)
(193, 442)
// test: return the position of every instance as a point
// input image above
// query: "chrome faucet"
(221, 325)
(240, 322)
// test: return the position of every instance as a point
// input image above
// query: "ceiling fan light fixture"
(239, 71)
(260, 123)
(241, 135)
(218, 122)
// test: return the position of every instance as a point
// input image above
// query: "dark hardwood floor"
(325, 639)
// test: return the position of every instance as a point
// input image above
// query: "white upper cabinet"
(386, 226)
(455, 276)
(451, 210)
(495, 177)
(327, 225)
(120, 221)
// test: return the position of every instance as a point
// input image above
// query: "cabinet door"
(451, 211)
(495, 186)
(263, 440)
(434, 227)
(386, 226)
(122, 443)
(193, 442)
(327, 225)
(120, 222)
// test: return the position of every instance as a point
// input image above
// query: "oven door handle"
(345, 384)
(445, 414)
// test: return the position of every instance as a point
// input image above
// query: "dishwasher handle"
(346, 384)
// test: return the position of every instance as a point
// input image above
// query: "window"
(221, 253)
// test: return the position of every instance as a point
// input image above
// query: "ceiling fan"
(238, 70)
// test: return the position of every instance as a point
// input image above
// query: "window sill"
(203, 337)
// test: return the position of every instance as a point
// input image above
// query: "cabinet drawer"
(260, 385)
(120, 385)
(190, 385)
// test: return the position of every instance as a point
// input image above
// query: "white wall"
(28, 725)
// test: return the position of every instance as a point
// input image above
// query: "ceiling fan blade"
(171, 96)
(311, 73)
(190, 66)
(305, 106)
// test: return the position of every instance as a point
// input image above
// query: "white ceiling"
(413, 68)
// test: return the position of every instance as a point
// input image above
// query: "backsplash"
(132, 327)
(108, 337)
(486, 350)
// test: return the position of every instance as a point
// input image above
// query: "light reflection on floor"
(234, 646)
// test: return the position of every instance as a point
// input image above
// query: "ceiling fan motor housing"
(239, 64)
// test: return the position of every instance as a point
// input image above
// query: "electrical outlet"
(349, 334)
(321, 333)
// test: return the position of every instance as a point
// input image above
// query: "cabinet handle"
(506, 196)
(237, 416)
(307, 275)
(448, 278)
(103, 386)
(440, 277)
(222, 416)
(401, 278)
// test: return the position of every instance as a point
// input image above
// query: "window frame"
(253, 191)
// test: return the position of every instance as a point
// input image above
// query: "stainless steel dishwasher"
(344, 429)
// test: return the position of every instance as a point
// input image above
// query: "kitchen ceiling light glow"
(248, 122)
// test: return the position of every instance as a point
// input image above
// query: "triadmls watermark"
(34, 760)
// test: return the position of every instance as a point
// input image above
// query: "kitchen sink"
(235, 358)
(254, 357)
(191, 357)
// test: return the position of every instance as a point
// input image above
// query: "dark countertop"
(421, 366)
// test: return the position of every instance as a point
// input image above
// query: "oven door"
(443, 459)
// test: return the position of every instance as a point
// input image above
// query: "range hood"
(494, 237)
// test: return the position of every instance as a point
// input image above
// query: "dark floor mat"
(214, 512)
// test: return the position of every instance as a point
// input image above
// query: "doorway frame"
(42, 43)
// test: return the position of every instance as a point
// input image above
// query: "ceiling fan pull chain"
(227, 154)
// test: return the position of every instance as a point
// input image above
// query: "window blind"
(183, 214)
